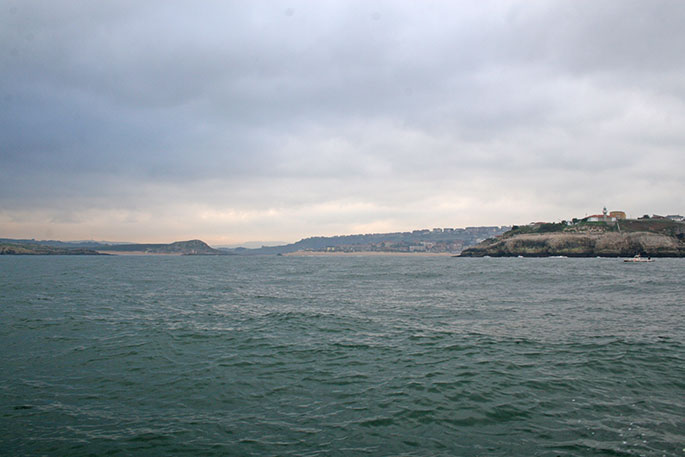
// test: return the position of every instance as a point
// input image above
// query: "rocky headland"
(657, 238)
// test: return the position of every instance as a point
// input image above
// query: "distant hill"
(58, 244)
(648, 237)
(28, 247)
(434, 241)
(192, 247)
(9, 248)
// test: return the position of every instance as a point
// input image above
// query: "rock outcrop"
(607, 244)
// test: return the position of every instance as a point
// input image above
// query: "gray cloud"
(343, 115)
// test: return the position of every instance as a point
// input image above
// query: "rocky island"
(601, 235)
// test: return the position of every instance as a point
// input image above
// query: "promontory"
(592, 237)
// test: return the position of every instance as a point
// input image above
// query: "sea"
(341, 356)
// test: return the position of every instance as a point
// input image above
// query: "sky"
(237, 121)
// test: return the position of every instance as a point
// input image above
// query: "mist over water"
(319, 356)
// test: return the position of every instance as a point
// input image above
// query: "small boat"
(639, 259)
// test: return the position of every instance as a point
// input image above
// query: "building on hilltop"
(618, 215)
(604, 217)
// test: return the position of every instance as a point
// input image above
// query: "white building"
(604, 217)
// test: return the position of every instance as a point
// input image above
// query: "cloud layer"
(231, 121)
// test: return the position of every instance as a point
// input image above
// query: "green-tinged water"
(341, 356)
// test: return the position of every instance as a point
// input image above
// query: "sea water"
(341, 356)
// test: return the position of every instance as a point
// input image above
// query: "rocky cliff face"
(609, 244)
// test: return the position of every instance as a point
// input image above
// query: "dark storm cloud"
(251, 106)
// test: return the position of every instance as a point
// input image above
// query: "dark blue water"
(341, 356)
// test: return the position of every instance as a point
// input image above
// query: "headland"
(595, 236)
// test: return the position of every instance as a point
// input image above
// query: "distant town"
(436, 240)
(455, 240)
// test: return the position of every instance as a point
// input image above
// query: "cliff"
(654, 240)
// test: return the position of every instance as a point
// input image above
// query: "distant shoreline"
(367, 254)
(139, 253)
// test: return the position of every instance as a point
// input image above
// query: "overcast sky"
(266, 120)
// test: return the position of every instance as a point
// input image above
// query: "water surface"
(319, 356)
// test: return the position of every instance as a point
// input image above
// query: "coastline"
(139, 253)
(582, 244)
(367, 254)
